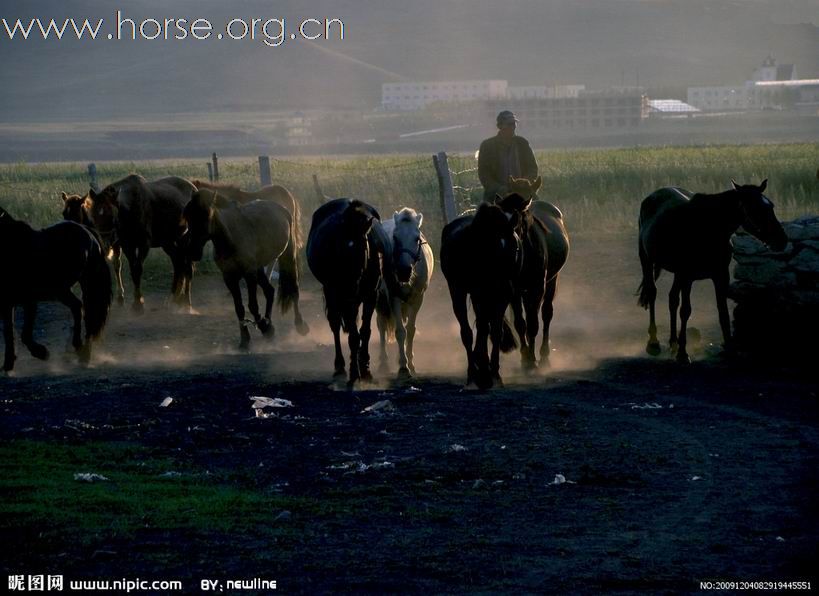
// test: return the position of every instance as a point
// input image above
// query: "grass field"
(596, 189)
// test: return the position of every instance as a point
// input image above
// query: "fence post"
(210, 171)
(323, 198)
(264, 170)
(92, 176)
(445, 190)
(215, 167)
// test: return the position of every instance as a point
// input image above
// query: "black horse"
(44, 265)
(481, 258)
(345, 251)
(690, 236)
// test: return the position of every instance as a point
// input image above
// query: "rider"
(504, 155)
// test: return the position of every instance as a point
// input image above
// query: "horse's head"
(497, 242)
(524, 187)
(77, 208)
(197, 216)
(103, 208)
(516, 207)
(356, 222)
(407, 243)
(757, 215)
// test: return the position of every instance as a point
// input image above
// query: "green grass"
(597, 189)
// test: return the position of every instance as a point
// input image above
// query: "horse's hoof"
(8, 365)
(366, 376)
(484, 381)
(267, 328)
(244, 346)
(302, 328)
(544, 363)
(653, 348)
(404, 374)
(412, 370)
(683, 358)
(84, 354)
(339, 375)
(121, 300)
(39, 352)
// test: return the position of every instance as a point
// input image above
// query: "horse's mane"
(406, 214)
(216, 186)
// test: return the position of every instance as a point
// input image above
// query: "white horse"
(400, 297)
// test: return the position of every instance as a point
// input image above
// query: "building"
(544, 91)
(753, 94)
(589, 110)
(418, 95)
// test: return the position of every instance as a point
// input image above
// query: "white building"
(419, 94)
(544, 91)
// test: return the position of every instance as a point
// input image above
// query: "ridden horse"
(44, 265)
(481, 258)
(542, 223)
(245, 238)
(690, 236)
(272, 192)
(400, 297)
(346, 251)
(140, 215)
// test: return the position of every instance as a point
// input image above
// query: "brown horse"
(246, 238)
(690, 235)
(273, 192)
(139, 215)
(546, 249)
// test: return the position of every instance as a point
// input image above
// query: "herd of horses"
(501, 256)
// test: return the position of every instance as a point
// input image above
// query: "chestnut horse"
(690, 235)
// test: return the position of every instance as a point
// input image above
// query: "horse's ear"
(64, 196)
(734, 184)
(526, 206)
(395, 217)
(537, 184)
(420, 219)
(511, 180)
(92, 194)
(764, 185)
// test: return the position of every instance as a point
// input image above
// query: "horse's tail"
(384, 309)
(289, 272)
(96, 292)
(508, 340)
(297, 229)
(647, 290)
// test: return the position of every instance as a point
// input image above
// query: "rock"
(283, 516)
(758, 270)
(746, 244)
(806, 260)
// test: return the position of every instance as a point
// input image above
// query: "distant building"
(418, 95)
(670, 107)
(544, 91)
(589, 110)
(750, 95)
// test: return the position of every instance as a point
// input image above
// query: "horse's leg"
(648, 298)
(532, 305)
(483, 375)
(547, 311)
(685, 313)
(414, 307)
(252, 298)
(381, 324)
(400, 338)
(298, 320)
(8, 336)
(495, 333)
(350, 310)
(526, 355)
(116, 265)
(721, 282)
(458, 297)
(266, 325)
(29, 314)
(176, 282)
(232, 282)
(367, 310)
(136, 257)
(673, 307)
(75, 305)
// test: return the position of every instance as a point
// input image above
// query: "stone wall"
(777, 293)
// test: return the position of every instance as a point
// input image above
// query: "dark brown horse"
(139, 215)
(481, 258)
(246, 238)
(44, 265)
(690, 236)
(346, 251)
(546, 249)
(272, 192)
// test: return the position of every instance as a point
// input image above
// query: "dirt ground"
(673, 474)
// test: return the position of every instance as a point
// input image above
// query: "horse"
(80, 210)
(690, 235)
(245, 238)
(139, 215)
(546, 249)
(346, 251)
(481, 258)
(401, 296)
(272, 192)
(42, 265)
